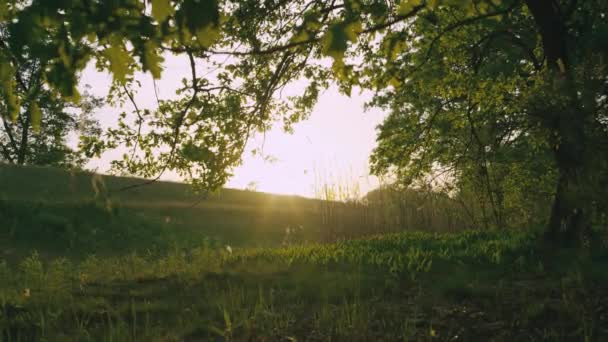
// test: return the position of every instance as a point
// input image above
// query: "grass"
(82, 270)
(345, 291)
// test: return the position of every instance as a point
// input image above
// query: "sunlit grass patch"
(403, 286)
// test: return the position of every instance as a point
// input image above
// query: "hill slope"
(53, 184)
(61, 208)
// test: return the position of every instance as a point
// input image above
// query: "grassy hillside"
(54, 210)
(149, 265)
(46, 183)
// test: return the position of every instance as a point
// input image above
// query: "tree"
(35, 122)
(499, 82)
(458, 111)
(502, 75)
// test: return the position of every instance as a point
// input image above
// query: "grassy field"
(81, 268)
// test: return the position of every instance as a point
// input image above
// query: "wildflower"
(229, 249)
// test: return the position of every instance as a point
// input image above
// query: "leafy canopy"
(35, 120)
(467, 83)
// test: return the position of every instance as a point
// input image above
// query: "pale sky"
(332, 146)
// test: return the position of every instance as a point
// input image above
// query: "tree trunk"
(571, 210)
(23, 145)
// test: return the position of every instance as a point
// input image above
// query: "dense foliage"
(486, 92)
(36, 122)
(477, 105)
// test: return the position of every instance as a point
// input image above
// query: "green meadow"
(62, 213)
(82, 261)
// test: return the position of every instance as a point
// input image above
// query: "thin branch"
(177, 128)
(9, 132)
(484, 165)
(313, 39)
(517, 41)
(455, 26)
(140, 119)
(6, 153)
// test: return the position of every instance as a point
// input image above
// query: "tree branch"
(517, 41)
(177, 128)
(9, 132)
(313, 39)
(457, 25)
(140, 119)
(6, 153)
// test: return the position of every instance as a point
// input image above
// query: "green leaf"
(12, 102)
(406, 6)
(152, 61)
(335, 41)
(4, 10)
(200, 18)
(64, 56)
(7, 89)
(352, 30)
(162, 9)
(311, 21)
(433, 3)
(207, 35)
(36, 115)
(227, 320)
(62, 79)
(195, 153)
(302, 36)
(120, 61)
(395, 82)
